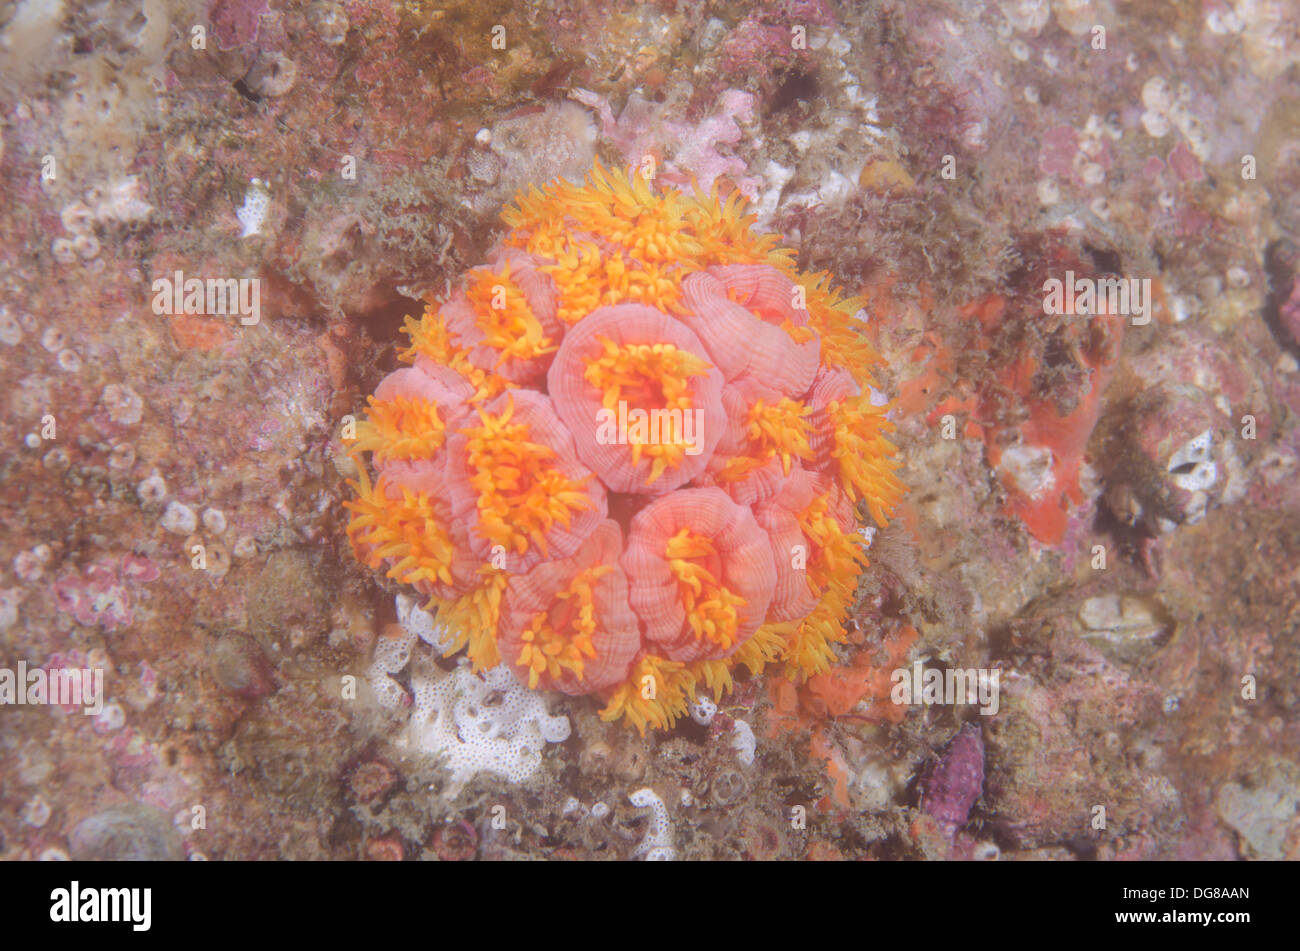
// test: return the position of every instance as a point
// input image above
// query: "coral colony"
(631, 452)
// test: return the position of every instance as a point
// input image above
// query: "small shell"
(745, 567)
(743, 345)
(580, 405)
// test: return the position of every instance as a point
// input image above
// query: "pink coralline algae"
(68, 660)
(95, 597)
(643, 128)
(755, 46)
(763, 43)
(1065, 154)
(1185, 164)
(236, 22)
(130, 750)
(1056, 156)
(803, 12)
(1290, 313)
(139, 568)
(951, 788)
(99, 597)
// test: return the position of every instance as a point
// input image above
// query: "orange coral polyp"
(431, 340)
(404, 529)
(743, 345)
(632, 350)
(401, 428)
(837, 553)
(508, 323)
(712, 610)
(655, 694)
(649, 373)
(558, 640)
(629, 562)
(700, 573)
(473, 619)
(566, 623)
(864, 456)
(520, 494)
(779, 430)
(650, 377)
(582, 279)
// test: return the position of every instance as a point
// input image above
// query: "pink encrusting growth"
(629, 453)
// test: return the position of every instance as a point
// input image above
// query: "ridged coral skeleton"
(630, 453)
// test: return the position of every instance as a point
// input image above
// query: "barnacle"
(632, 451)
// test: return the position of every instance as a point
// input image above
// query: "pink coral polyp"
(643, 403)
(566, 624)
(505, 317)
(742, 343)
(515, 482)
(701, 574)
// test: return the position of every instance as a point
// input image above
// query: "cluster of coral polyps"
(631, 451)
